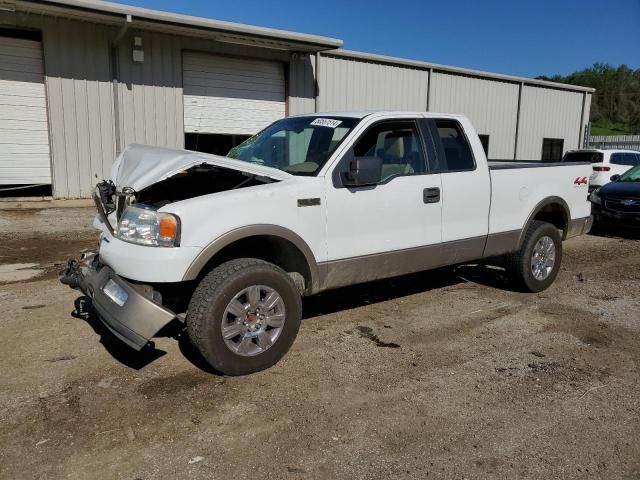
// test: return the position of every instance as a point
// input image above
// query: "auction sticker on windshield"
(326, 122)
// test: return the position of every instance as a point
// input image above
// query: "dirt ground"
(445, 374)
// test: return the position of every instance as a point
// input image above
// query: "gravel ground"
(445, 374)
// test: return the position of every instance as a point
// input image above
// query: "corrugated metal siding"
(150, 106)
(492, 107)
(349, 84)
(24, 129)
(547, 113)
(302, 85)
(81, 110)
(80, 101)
(150, 94)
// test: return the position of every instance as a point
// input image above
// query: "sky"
(526, 38)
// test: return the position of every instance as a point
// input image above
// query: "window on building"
(484, 140)
(212, 143)
(457, 152)
(397, 144)
(552, 149)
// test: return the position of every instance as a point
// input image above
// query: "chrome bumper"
(134, 322)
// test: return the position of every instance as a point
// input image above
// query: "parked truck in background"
(229, 245)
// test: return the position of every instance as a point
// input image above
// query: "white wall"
(351, 84)
(548, 113)
(492, 107)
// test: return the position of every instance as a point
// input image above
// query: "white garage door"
(24, 130)
(227, 95)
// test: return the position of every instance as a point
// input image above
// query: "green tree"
(616, 102)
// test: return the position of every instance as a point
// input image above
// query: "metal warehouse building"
(81, 79)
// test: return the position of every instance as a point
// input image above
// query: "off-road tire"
(210, 299)
(518, 264)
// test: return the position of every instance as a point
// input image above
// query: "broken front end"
(135, 278)
(128, 310)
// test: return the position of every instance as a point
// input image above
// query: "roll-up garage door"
(24, 129)
(225, 95)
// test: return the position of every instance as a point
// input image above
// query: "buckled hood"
(140, 166)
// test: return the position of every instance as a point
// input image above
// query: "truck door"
(466, 187)
(373, 229)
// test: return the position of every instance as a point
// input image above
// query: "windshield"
(632, 175)
(593, 157)
(298, 145)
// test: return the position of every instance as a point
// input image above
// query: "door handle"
(431, 195)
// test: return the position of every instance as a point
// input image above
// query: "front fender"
(209, 251)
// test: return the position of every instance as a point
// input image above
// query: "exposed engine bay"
(196, 181)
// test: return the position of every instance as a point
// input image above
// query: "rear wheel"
(244, 316)
(535, 266)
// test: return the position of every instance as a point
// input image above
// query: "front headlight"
(148, 227)
(595, 198)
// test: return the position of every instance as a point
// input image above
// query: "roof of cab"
(366, 113)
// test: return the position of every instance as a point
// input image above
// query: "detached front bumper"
(126, 309)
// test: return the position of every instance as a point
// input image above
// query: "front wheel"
(535, 265)
(244, 316)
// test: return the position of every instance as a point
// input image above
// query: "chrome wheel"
(253, 320)
(543, 258)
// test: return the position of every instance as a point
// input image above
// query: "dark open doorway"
(212, 143)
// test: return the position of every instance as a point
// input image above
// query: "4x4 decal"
(581, 181)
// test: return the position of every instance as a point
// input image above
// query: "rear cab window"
(453, 149)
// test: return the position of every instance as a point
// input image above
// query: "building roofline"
(232, 32)
(312, 42)
(456, 70)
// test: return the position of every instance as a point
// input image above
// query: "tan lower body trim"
(349, 271)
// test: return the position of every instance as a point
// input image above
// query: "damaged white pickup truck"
(229, 245)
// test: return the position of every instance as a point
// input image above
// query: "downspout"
(580, 135)
(115, 78)
(317, 82)
(515, 143)
(429, 80)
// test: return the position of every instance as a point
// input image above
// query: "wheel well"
(270, 248)
(555, 214)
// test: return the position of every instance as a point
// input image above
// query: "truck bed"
(514, 192)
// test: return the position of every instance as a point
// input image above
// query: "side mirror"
(362, 171)
(614, 178)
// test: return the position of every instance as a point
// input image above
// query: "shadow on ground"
(117, 349)
(619, 231)
(322, 304)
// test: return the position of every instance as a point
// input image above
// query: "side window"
(457, 152)
(622, 159)
(637, 158)
(632, 159)
(397, 144)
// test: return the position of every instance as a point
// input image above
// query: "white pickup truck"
(229, 245)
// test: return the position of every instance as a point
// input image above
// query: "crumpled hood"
(141, 165)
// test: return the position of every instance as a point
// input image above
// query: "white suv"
(605, 163)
